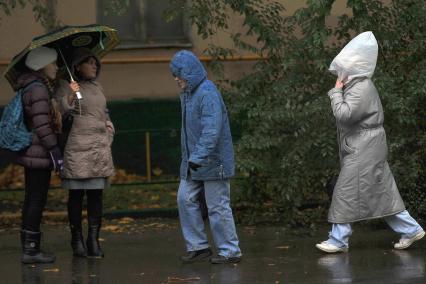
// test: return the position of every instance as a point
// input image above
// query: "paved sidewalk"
(148, 251)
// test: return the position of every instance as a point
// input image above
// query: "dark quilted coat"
(38, 118)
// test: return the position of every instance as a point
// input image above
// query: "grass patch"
(116, 198)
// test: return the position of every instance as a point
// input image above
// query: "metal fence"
(145, 184)
(153, 153)
(141, 156)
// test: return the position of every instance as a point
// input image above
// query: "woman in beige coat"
(87, 154)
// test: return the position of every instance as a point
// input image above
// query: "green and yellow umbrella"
(99, 39)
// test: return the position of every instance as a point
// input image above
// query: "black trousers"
(75, 205)
(36, 187)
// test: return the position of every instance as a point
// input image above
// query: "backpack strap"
(30, 84)
(22, 90)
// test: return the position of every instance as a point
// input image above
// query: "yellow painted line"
(143, 60)
(58, 214)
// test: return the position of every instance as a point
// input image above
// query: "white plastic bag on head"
(357, 59)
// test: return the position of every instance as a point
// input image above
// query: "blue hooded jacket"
(206, 136)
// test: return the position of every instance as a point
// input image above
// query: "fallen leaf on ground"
(178, 279)
(126, 220)
(155, 225)
(51, 270)
(112, 228)
(155, 197)
(283, 247)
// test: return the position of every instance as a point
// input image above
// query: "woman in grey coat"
(87, 156)
(366, 188)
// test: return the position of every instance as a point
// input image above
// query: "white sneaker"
(327, 247)
(405, 243)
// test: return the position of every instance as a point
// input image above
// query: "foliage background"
(288, 146)
(287, 150)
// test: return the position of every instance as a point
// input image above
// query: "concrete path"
(148, 251)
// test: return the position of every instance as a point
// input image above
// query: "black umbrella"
(99, 39)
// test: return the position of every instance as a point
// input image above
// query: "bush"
(288, 149)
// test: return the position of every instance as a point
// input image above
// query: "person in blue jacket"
(207, 163)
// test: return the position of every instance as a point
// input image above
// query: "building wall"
(120, 81)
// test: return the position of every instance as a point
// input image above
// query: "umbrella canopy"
(99, 39)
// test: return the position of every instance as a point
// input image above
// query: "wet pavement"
(148, 253)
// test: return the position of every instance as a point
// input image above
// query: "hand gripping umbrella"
(99, 39)
(79, 96)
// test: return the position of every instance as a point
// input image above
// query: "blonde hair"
(55, 114)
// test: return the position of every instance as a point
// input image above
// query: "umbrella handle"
(79, 96)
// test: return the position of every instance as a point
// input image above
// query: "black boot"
(224, 260)
(93, 248)
(31, 249)
(77, 241)
(196, 255)
(75, 203)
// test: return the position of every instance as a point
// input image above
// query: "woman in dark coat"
(43, 119)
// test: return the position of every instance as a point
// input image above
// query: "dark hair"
(79, 76)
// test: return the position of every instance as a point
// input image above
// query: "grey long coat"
(366, 188)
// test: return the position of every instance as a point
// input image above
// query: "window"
(143, 25)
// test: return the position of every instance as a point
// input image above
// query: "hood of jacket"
(357, 59)
(79, 56)
(29, 77)
(188, 67)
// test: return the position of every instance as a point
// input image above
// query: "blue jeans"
(402, 223)
(222, 224)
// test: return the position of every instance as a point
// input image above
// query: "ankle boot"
(77, 241)
(31, 252)
(93, 247)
